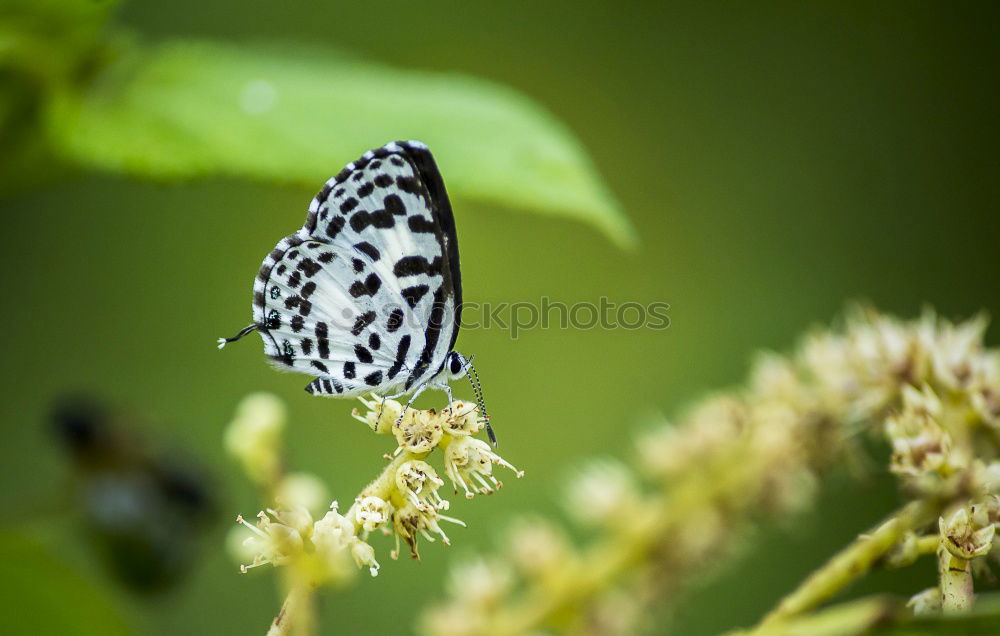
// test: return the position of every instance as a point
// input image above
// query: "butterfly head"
(456, 365)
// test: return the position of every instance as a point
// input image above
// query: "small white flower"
(371, 512)
(270, 541)
(538, 548)
(963, 537)
(480, 582)
(254, 435)
(418, 432)
(469, 462)
(462, 418)
(364, 556)
(410, 521)
(418, 482)
(301, 490)
(382, 413)
(956, 352)
(602, 492)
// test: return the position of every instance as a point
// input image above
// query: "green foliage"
(45, 596)
(287, 114)
(280, 113)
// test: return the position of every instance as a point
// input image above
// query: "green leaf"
(190, 109)
(42, 595)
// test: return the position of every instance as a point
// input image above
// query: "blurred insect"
(367, 295)
(144, 507)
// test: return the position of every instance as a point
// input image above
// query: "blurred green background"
(776, 160)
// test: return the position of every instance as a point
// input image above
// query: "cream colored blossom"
(418, 483)
(410, 521)
(480, 582)
(963, 537)
(919, 443)
(603, 492)
(462, 418)
(469, 464)
(302, 490)
(371, 512)
(538, 548)
(955, 353)
(270, 541)
(254, 436)
(418, 432)
(334, 540)
(381, 415)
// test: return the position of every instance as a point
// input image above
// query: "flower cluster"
(928, 387)
(307, 535)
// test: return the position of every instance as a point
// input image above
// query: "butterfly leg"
(391, 397)
(416, 394)
(444, 386)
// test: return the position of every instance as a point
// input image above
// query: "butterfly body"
(367, 294)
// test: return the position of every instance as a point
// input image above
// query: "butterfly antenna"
(477, 388)
(244, 331)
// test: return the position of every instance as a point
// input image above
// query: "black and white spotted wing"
(367, 294)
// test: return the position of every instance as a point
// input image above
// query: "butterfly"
(367, 294)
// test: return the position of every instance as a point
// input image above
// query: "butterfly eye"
(456, 365)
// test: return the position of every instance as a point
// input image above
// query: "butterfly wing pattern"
(367, 294)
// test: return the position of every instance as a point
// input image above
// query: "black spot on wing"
(383, 180)
(369, 287)
(325, 257)
(363, 354)
(335, 226)
(420, 225)
(297, 323)
(319, 366)
(410, 185)
(322, 341)
(374, 342)
(273, 320)
(395, 320)
(349, 204)
(309, 267)
(414, 294)
(368, 249)
(394, 205)
(362, 322)
(324, 193)
(432, 334)
(401, 350)
(294, 279)
(379, 218)
(306, 345)
(349, 371)
(374, 378)
(308, 289)
(359, 265)
(366, 189)
(413, 265)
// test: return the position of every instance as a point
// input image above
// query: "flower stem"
(296, 614)
(955, 574)
(853, 617)
(850, 563)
